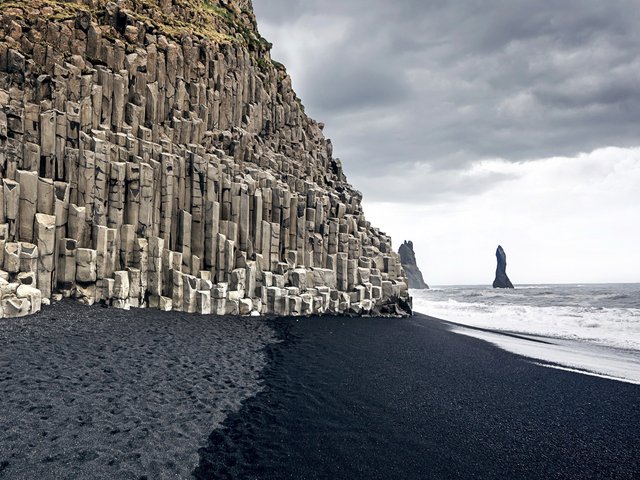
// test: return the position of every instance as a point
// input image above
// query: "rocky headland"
(408, 260)
(152, 154)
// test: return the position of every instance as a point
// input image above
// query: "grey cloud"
(431, 187)
(443, 83)
(279, 11)
(608, 91)
(346, 87)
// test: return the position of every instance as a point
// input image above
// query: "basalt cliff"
(152, 154)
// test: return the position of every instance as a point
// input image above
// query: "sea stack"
(408, 259)
(152, 154)
(502, 280)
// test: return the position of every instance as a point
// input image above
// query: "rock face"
(408, 260)
(153, 155)
(501, 281)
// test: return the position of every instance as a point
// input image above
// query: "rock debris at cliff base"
(153, 155)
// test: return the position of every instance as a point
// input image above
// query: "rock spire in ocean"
(152, 154)
(502, 280)
(408, 260)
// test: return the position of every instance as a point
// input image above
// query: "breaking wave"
(601, 314)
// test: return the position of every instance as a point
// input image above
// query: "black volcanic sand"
(96, 393)
(407, 399)
(93, 393)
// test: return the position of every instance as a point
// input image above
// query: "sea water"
(605, 314)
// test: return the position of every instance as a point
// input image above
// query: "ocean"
(604, 314)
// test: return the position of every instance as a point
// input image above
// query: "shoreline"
(578, 356)
(571, 355)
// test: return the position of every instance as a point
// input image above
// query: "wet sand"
(98, 393)
(573, 355)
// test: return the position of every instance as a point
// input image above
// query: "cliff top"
(224, 21)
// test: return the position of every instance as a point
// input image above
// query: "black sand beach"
(407, 399)
(98, 393)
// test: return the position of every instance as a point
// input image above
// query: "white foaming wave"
(533, 287)
(614, 327)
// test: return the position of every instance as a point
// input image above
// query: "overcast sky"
(473, 123)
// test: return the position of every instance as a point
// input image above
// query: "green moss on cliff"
(212, 19)
(221, 22)
(51, 9)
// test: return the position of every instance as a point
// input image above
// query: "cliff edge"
(152, 154)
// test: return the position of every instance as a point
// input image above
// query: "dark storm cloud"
(347, 89)
(406, 83)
